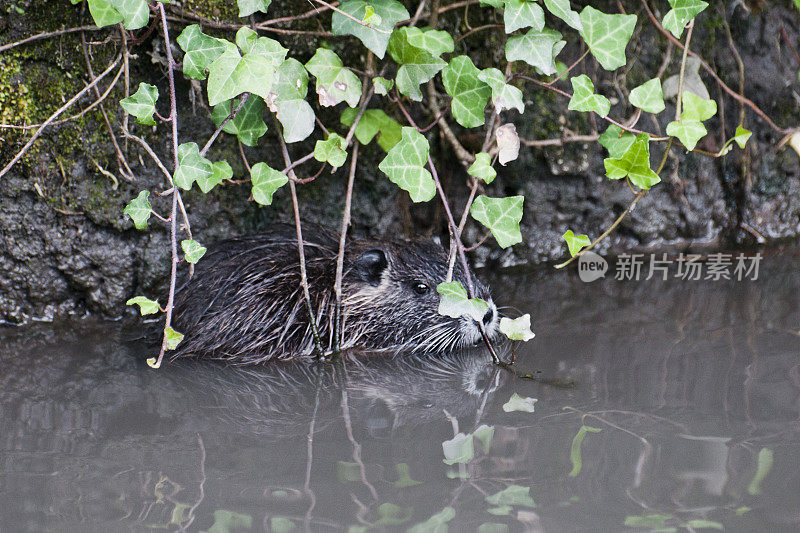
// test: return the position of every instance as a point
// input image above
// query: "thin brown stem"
(47, 35)
(230, 117)
(338, 321)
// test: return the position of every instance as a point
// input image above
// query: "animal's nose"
(489, 316)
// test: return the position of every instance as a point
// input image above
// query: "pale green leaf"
(648, 521)
(288, 101)
(433, 41)
(607, 36)
(699, 523)
(688, 131)
(191, 166)
(201, 50)
(518, 329)
(616, 141)
(492, 527)
(502, 510)
(561, 9)
(436, 523)
(382, 85)
(248, 125)
(575, 242)
(481, 168)
(135, 13)
(522, 14)
(517, 403)
(332, 150)
(575, 449)
(248, 7)
(742, 136)
(416, 64)
(374, 34)
(192, 250)
(146, 305)
(648, 96)
(513, 494)
(504, 96)
(455, 303)
(222, 84)
(501, 215)
(484, 435)
(584, 99)
(266, 181)
(142, 104)
(334, 82)
(103, 13)
(634, 164)
(173, 338)
(697, 108)
(220, 170)
(370, 17)
(458, 450)
(470, 95)
(681, 13)
(404, 165)
(537, 48)
(139, 210)
(374, 122)
(404, 476)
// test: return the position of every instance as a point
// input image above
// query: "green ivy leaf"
(522, 14)
(455, 303)
(497, 4)
(393, 515)
(537, 48)
(634, 163)
(561, 9)
(220, 170)
(146, 305)
(382, 85)
(173, 338)
(484, 435)
(416, 64)
(493, 527)
(248, 125)
(584, 99)
(191, 166)
(607, 36)
(103, 13)
(192, 250)
(575, 449)
(697, 108)
(433, 41)
(436, 523)
(250, 43)
(513, 494)
(201, 50)
(688, 131)
(648, 97)
(470, 95)
(502, 510)
(374, 122)
(518, 329)
(501, 215)
(222, 82)
(375, 35)
(504, 96)
(332, 150)
(681, 13)
(288, 101)
(370, 17)
(135, 13)
(458, 450)
(742, 136)
(651, 521)
(404, 164)
(142, 104)
(266, 181)
(616, 141)
(482, 168)
(404, 477)
(575, 242)
(139, 210)
(334, 82)
(700, 523)
(248, 7)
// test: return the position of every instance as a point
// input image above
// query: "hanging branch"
(338, 319)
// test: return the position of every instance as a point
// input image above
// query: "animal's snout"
(489, 316)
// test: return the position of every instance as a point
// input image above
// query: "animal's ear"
(370, 265)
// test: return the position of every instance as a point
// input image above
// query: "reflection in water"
(685, 413)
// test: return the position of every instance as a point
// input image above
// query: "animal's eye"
(420, 288)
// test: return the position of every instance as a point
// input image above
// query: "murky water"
(684, 415)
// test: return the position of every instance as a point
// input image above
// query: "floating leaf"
(103, 13)
(482, 168)
(607, 36)
(146, 305)
(501, 215)
(382, 85)
(248, 7)
(503, 510)
(470, 94)
(374, 122)
(435, 524)
(584, 99)
(201, 50)
(575, 450)
(220, 171)
(512, 495)
(191, 166)
(537, 48)
(518, 329)
(459, 449)
(616, 141)
(504, 96)
(142, 104)
(764, 466)
(404, 476)
(575, 242)
(561, 9)
(288, 101)
(404, 166)
(518, 403)
(492, 527)
(334, 82)
(634, 164)
(375, 32)
(266, 181)
(433, 41)
(393, 515)
(348, 472)
(455, 303)
(139, 210)
(281, 524)
(699, 523)
(192, 250)
(681, 13)
(484, 435)
(507, 143)
(416, 64)
(522, 14)
(742, 136)
(332, 150)
(248, 125)
(648, 97)
(135, 13)
(173, 338)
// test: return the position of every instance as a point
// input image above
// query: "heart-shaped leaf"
(584, 99)
(607, 36)
(404, 164)
(334, 82)
(376, 28)
(481, 168)
(518, 329)
(266, 181)
(192, 250)
(455, 303)
(146, 305)
(648, 97)
(191, 166)
(575, 242)
(634, 164)
(288, 101)
(470, 94)
(332, 150)
(417, 65)
(504, 96)
(139, 210)
(501, 215)
(142, 104)
(248, 125)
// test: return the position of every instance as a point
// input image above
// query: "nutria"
(244, 303)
